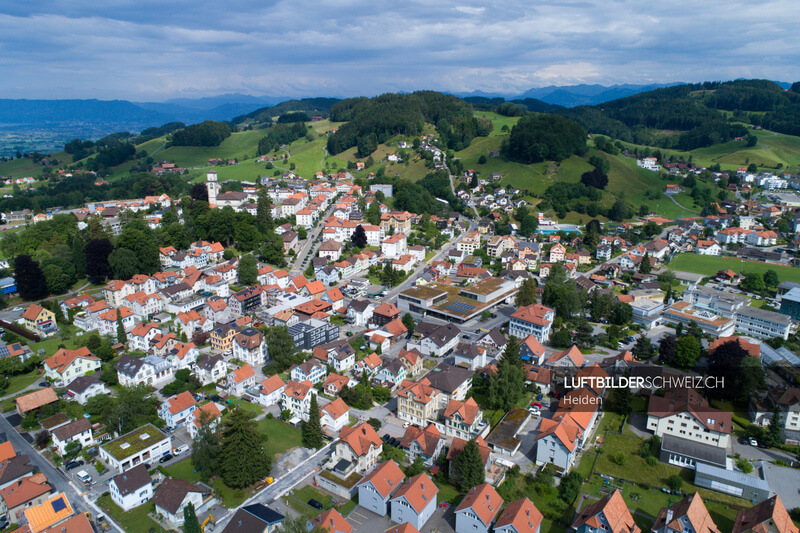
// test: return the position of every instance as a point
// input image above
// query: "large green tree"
(190, 522)
(469, 466)
(248, 270)
(243, 460)
(31, 283)
(687, 352)
(206, 449)
(312, 430)
(527, 293)
(124, 263)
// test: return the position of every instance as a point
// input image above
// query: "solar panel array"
(459, 307)
(58, 505)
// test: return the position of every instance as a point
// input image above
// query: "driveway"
(365, 521)
(753, 453)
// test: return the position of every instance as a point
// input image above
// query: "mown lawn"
(447, 493)
(230, 497)
(17, 383)
(135, 520)
(298, 500)
(709, 265)
(282, 436)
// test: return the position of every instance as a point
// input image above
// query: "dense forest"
(371, 121)
(280, 134)
(208, 133)
(686, 117)
(540, 137)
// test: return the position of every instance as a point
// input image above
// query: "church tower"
(213, 187)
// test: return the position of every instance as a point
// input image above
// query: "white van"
(180, 449)
(84, 476)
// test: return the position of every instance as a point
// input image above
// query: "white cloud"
(146, 49)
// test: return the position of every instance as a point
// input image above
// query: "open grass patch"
(709, 265)
(135, 520)
(17, 383)
(447, 493)
(298, 500)
(230, 497)
(282, 436)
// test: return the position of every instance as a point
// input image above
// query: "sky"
(154, 50)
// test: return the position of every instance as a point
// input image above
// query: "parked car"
(742, 440)
(44, 384)
(165, 458)
(73, 464)
(315, 504)
(753, 442)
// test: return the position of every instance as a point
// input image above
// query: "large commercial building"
(456, 304)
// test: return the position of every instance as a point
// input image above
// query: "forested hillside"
(371, 121)
(687, 117)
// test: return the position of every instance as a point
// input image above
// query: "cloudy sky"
(159, 49)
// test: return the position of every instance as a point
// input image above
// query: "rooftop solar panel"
(58, 505)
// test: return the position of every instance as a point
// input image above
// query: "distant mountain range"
(575, 95)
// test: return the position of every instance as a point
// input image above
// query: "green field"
(135, 520)
(184, 470)
(282, 436)
(708, 265)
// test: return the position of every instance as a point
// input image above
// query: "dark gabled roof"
(76, 427)
(209, 361)
(14, 468)
(447, 378)
(81, 383)
(171, 493)
(129, 365)
(440, 334)
(264, 513)
(359, 306)
(132, 480)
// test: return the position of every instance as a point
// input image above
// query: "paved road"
(315, 232)
(285, 483)
(54, 476)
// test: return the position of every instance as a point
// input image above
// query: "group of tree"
(371, 121)
(507, 385)
(131, 408)
(208, 133)
(281, 134)
(542, 137)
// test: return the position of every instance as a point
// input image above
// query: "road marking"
(356, 521)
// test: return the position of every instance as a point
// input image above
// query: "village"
(461, 379)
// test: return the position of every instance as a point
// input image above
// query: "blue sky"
(155, 50)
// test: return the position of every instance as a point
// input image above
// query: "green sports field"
(708, 265)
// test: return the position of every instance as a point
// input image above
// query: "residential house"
(210, 368)
(770, 516)
(463, 419)
(297, 398)
(66, 365)
(310, 370)
(377, 487)
(417, 402)
(131, 488)
(250, 347)
(426, 443)
(689, 514)
(685, 414)
(84, 387)
(23, 493)
(568, 359)
(177, 410)
(39, 320)
(330, 521)
(453, 382)
(469, 355)
(241, 380)
(478, 510)
(174, 494)
(521, 516)
(415, 502)
(359, 312)
(434, 339)
(609, 514)
(534, 319)
(334, 416)
(79, 431)
(360, 445)
(271, 391)
(531, 350)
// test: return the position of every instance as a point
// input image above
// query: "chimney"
(669, 516)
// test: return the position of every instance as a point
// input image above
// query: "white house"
(395, 246)
(535, 319)
(297, 398)
(271, 391)
(79, 430)
(177, 410)
(131, 488)
(141, 445)
(478, 510)
(334, 415)
(174, 494)
(84, 387)
(310, 370)
(210, 368)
